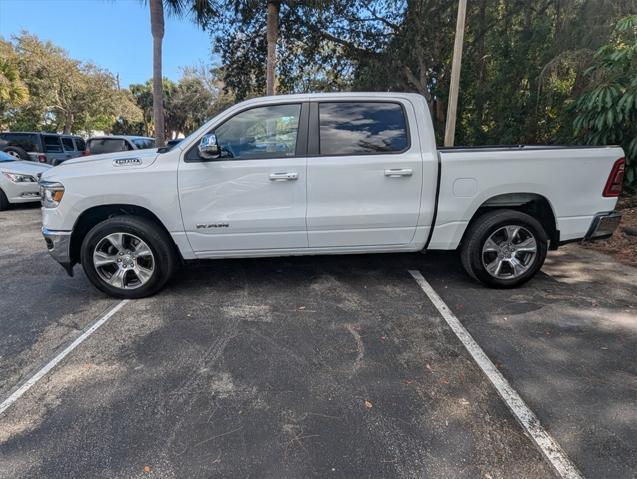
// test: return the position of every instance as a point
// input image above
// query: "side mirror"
(208, 147)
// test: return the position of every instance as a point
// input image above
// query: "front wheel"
(128, 257)
(504, 248)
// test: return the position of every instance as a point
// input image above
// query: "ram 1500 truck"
(324, 174)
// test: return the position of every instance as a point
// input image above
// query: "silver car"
(19, 180)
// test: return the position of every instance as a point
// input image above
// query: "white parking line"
(529, 421)
(54, 362)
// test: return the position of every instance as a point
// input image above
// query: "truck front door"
(253, 197)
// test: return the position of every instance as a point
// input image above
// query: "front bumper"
(603, 226)
(21, 192)
(59, 245)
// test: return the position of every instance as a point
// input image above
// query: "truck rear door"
(364, 173)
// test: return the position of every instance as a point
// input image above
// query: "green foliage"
(607, 109)
(63, 94)
(13, 91)
(188, 103)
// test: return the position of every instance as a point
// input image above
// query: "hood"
(24, 167)
(137, 158)
(105, 164)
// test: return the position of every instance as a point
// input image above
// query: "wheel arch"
(533, 204)
(96, 214)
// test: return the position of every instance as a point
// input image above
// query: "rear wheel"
(128, 257)
(504, 248)
(17, 152)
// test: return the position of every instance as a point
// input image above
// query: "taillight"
(42, 158)
(86, 153)
(615, 179)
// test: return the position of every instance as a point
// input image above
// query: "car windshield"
(6, 157)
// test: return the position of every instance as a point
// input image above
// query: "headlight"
(20, 178)
(51, 193)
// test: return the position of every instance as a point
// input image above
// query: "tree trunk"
(69, 119)
(272, 35)
(157, 29)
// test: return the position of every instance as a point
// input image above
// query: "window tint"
(80, 144)
(263, 132)
(26, 141)
(52, 144)
(68, 144)
(362, 128)
(107, 145)
(144, 143)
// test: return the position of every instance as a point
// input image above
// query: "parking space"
(567, 342)
(314, 367)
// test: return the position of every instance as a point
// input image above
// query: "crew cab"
(324, 174)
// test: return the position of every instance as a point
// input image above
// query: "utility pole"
(452, 106)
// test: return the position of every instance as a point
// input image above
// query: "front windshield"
(5, 157)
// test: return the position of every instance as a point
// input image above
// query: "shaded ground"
(272, 368)
(623, 244)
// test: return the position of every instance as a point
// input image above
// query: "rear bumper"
(603, 226)
(59, 245)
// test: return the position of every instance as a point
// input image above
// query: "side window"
(27, 142)
(68, 144)
(261, 132)
(52, 144)
(362, 128)
(80, 144)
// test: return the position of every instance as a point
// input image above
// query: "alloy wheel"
(509, 252)
(123, 261)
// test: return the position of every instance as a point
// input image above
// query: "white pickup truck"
(324, 174)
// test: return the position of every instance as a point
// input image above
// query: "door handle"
(284, 176)
(398, 172)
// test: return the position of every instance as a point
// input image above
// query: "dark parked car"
(48, 148)
(111, 144)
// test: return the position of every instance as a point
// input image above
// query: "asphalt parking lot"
(314, 367)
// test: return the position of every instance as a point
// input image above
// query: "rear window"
(52, 144)
(26, 141)
(68, 144)
(362, 128)
(80, 144)
(144, 143)
(107, 145)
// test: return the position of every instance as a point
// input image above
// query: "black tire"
(17, 152)
(4, 202)
(160, 243)
(480, 231)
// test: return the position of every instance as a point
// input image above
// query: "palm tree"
(201, 11)
(274, 6)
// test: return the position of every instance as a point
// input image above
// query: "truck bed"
(570, 179)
